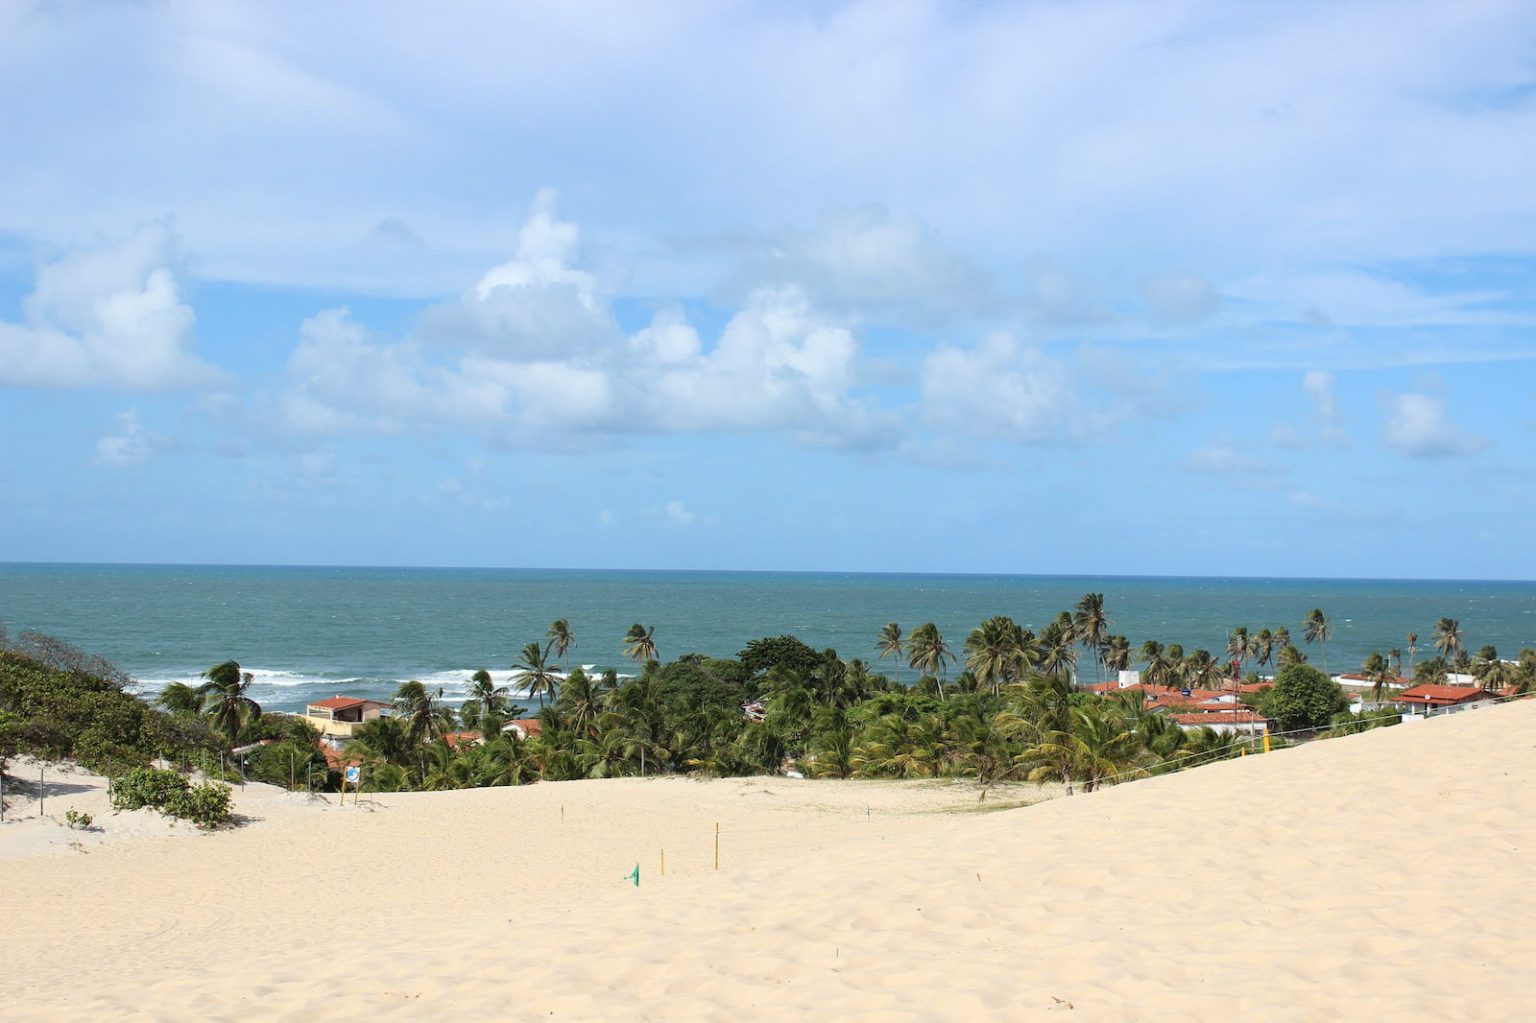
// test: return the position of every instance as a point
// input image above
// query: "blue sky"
(1185, 288)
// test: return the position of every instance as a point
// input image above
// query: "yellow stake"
(1266, 742)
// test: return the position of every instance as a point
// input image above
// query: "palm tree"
(1282, 639)
(1090, 625)
(580, 703)
(1116, 653)
(1263, 647)
(1448, 639)
(1238, 643)
(640, 644)
(180, 698)
(891, 643)
(1155, 657)
(1057, 653)
(560, 638)
(1377, 670)
(928, 653)
(1319, 628)
(994, 652)
(488, 703)
(426, 717)
(1413, 648)
(225, 701)
(537, 677)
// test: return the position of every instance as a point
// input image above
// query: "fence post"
(717, 845)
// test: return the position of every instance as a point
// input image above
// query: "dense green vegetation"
(1012, 710)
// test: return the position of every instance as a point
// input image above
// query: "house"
(524, 728)
(1359, 681)
(1240, 722)
(1436, 699)
(340, 716)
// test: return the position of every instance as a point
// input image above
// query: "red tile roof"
(530, 726)
(344, 703)
(1220, 717)
(458, 739)
(1442, 696)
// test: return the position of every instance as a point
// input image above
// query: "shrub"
(76, 820)
(205, 805)
(146, 786)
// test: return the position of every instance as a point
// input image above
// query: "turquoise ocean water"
(313, 632)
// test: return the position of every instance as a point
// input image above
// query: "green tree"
(560, 638)
(426, 716)
(180, 698)
(1090, 625)
(1319, 630)
(1378, 671)
(928, 654)
(1448, 640)
(488, 706)
(1117, 654)
(226, 701)
(891, 643)
(1302, 697)
(995, 653)
(640, 643)
(537, 676)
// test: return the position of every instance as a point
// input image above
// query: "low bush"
(205, 805)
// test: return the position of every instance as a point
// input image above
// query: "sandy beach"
(1386, 875)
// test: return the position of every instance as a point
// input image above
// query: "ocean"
(307, 632)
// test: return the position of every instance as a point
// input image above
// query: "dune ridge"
(1382, 875)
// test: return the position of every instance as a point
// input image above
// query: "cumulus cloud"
(678, 515)
(867, 263)
(1000, 390)
(533, 350)
(128, 446)
(109, 316)
(1419, 426)
(1324, 425)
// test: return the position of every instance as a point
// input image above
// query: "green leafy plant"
(206, 805)
(76, 820)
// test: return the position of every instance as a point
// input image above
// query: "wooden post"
(42, 793)
(717, 845)
(663, 863)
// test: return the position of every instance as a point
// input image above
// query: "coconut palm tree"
(538, 679)
(180, 698)
(1238, 644)
(560, 638)
(1448, 639)
(225, 700)
(1319, 628)
(580, 703)
(1377, 671)
(890, 643)
(425, 715)
(994, 652)
(640, 643)
(1263, 647)
(1413, 648)
(1155, 658)
(1057, 651)
(1116, 653)
(1090, 625)
(488, 704)
(928, 654)
(1282, 639)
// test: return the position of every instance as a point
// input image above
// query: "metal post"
(42, 793)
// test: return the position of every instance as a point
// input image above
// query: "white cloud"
(109, 316)
(131, 445)
(1179, 299)
(679, 515)
(1000, 390)
(1324, 425)
(1419, 426)
(1223, 458)
(540, 355)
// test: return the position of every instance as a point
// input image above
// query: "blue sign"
(354, 774)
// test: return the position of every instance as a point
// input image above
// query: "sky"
(1184, 288)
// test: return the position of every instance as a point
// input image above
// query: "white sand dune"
(1385, 876)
